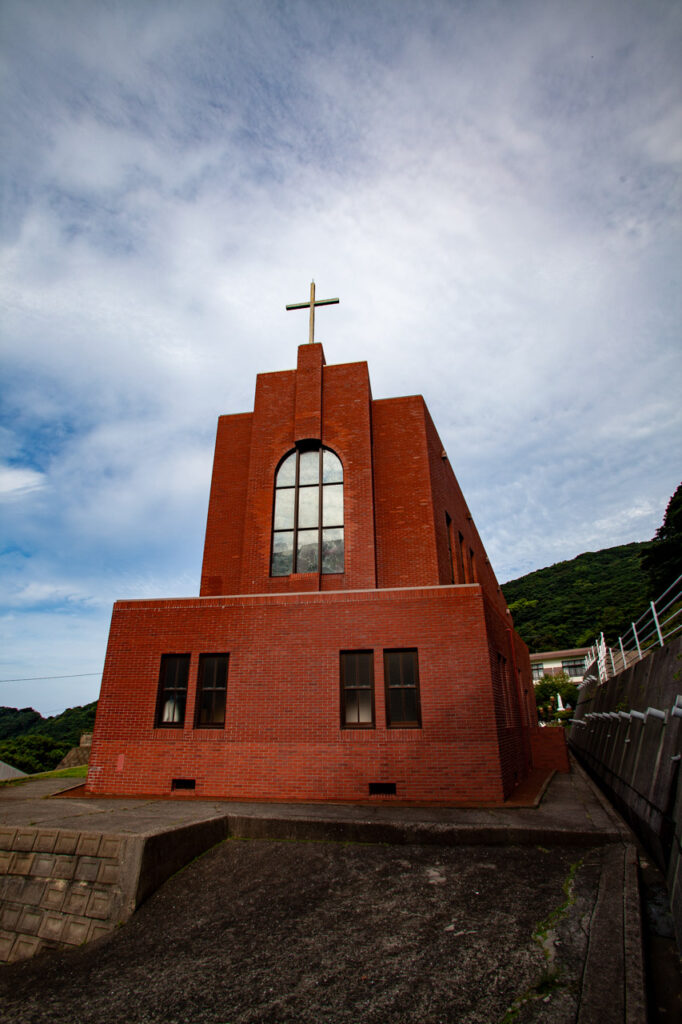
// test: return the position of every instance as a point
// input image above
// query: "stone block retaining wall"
(61, 888)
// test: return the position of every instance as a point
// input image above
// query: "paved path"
(571, 810)
(420, 915)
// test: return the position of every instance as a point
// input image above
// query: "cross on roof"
(312, 304)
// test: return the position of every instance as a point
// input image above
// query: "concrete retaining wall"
(637, 760)
(59, 887)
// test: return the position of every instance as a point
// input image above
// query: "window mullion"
(296, 494)
(320, 498)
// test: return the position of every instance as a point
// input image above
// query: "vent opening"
(183, 784)
(378, 788)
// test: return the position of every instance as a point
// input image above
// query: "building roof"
(8, 772)
(575, 652)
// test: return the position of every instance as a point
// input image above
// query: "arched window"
(307, 533)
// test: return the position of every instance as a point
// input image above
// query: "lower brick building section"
(377, 695)
(310, 772)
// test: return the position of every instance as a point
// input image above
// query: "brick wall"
(283, 737)
(408, 537)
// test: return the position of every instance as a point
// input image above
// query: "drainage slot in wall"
(183, 784)
(387, 788)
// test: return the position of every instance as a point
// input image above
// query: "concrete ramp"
(73, 868)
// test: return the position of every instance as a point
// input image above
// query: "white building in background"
(551, 663)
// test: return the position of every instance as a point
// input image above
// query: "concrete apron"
(72, 870)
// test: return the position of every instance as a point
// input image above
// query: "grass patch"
(543, 934)
(80, 771)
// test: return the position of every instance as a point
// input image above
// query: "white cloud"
(36, 593)
(16, 482)
(491, 191)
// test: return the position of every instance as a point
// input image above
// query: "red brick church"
(350, 641)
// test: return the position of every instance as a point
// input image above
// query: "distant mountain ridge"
(35, 744)
(570, 603)
(562, 606)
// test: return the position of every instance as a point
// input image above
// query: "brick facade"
(415, 578)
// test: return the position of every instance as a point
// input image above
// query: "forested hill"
(65, 728)
(33, 743)
(570, 603)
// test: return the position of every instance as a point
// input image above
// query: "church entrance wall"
(284, 736)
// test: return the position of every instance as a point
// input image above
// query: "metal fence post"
(658, 628)
(622, 652)
(639, 649)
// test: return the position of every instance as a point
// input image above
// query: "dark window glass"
(307, 551)
(286, 475)
(451, 558)
(212, 691)
(283, 553)
(574, 666)
(401, 676)
(307, 531)
(357, 689)
(172, 699)
(284, 508)
(308, 508)
(332, 550)
(508, 697)
(461, 577)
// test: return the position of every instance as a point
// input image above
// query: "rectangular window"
(357, 689)
(538, 670)
(211, 691)
(451, 558)
(401, 676)
(172, 698)
(461, 577)
(574, 666)
(505, 681)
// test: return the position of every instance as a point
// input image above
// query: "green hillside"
(565, 605)
(15, 721)
(570, 603)
(36, 744)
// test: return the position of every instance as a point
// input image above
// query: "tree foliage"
(68, 726)
(32, 743)
(546, 691)
(15, 721)
(662, 557)
(33, 753)
(569, 604)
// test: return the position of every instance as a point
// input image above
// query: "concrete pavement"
(591, 939)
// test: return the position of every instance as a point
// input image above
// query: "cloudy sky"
(491, 188)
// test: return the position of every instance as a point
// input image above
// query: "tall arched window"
(307, 533)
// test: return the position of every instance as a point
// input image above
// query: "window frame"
(344, 688)
(163, 690)
(570, 665)
(461, 572)
(506, 684)
(415, 723)
(295, 530)
(202, 689)
(450, 531)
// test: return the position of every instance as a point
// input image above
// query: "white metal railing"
(655, 627)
